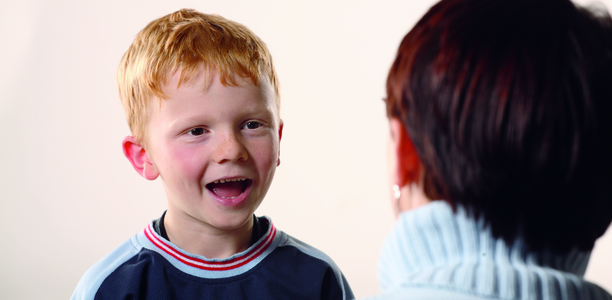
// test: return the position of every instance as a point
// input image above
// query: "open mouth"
(229, 188)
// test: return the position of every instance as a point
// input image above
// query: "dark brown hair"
(508, 103)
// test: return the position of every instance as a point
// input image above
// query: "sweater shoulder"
(92, 279)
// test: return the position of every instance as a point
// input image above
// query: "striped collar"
(211, 268)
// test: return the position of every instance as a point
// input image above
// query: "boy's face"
(215, 148)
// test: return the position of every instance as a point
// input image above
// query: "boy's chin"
(233, 221)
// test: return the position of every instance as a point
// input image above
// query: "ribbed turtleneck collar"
(433, 247)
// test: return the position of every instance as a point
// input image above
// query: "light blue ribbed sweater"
(432, 253)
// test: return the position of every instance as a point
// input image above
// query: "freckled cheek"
(266, 156)
(188, 162)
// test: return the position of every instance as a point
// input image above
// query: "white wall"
(68, 196)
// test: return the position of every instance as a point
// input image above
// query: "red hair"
(185, 41)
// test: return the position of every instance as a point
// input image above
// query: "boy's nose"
(230, 148)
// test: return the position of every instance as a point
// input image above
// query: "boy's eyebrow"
(182, 121)
(258, 112)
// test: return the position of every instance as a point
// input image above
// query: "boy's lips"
(229, 191)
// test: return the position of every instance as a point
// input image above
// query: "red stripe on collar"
(224, 265)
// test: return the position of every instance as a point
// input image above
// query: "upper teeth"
(228, 180)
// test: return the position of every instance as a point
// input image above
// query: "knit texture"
(433, 253)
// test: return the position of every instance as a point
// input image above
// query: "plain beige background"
(68, 196)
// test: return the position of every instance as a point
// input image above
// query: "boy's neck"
(202, 239)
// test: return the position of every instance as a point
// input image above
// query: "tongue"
(228, 189)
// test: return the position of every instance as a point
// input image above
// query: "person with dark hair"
(500, 114)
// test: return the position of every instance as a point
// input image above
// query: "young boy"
(201, 98)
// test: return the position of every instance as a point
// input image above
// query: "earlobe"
(137, 155)
(407, 162)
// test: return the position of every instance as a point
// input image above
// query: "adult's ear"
(137, 155)
(280, 136)
(407, 167)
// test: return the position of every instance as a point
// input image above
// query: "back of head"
(509, 105)
(186, 41)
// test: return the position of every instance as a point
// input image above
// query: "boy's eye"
(197, 131)
(252, 125)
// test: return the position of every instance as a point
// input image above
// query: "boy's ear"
(137, 155)
(408, 164)
(280, 136)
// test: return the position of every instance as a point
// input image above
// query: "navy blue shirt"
(276, 266)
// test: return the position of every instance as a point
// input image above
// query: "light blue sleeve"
(93, 278)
